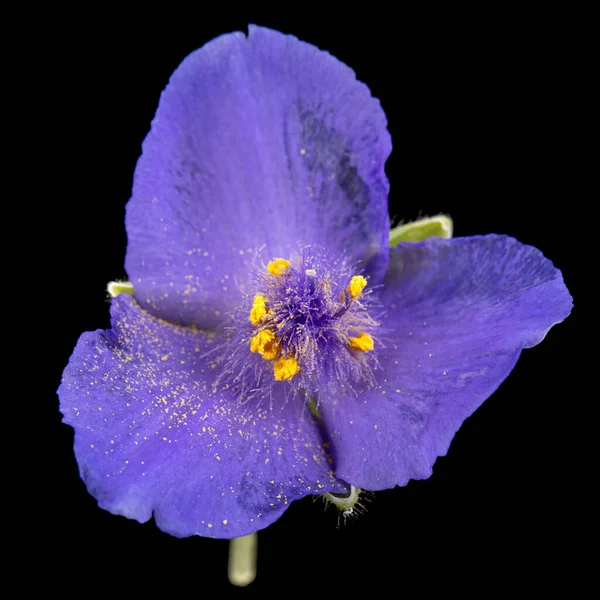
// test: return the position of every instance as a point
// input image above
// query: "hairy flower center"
(307, 324)
(300, 315)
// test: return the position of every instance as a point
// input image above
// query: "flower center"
(308, 324)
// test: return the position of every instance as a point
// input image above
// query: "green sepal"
(114, 288)
(417, 231)
(344, 503)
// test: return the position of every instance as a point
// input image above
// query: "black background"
(481, 110)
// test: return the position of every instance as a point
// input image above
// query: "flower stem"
(241, 569)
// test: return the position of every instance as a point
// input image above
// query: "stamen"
(357, 285)
(259, 309)
(363, 342)
(302, 330)
(285, 368)
(266, 344)
(278, 266)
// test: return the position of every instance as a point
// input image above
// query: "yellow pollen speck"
(278, 266)
(224, 521)
(357, 285)
(285, 368)
(259, 309)
(363, 342)
(266, 344)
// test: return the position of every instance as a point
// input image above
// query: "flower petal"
(151, 436)
(258, 142)
(459, 312)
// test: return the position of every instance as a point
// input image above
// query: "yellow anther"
(285, 368)
(357, 285)
(259, 309)
(363, 342)
(266, 344)
(278, 266)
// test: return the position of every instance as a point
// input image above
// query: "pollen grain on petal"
(266, 344)
(363, 342)
(357, 285)
(278, 266)
(285, 368)
(259, 309)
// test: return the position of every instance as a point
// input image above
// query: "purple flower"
(276, 347)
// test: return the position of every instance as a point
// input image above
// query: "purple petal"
(258, 142)
(459, 312)
(151, 436)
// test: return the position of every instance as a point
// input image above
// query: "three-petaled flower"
(276, 347)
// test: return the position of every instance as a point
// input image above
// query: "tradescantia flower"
(275, 345)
